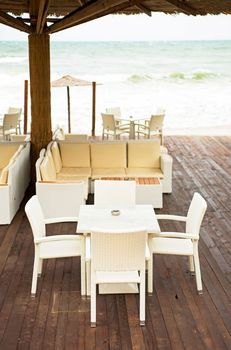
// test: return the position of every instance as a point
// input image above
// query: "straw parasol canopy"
(67, 81)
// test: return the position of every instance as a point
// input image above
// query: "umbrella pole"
(68, 109)
(93, 107)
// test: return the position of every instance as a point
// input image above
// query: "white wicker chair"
(10, 125)
(58, 246)
(13, 110)
(115, 192)
(115, 111)
(118, 257)
(178, 243)
(110, 128)
(154, 126)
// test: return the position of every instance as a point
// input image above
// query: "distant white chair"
(152, 127)
(115, 111)
(115, 193)
(110, 128)
(178, 243)
(10, 125)
(118, 257)
(46, 247)
(13, 110)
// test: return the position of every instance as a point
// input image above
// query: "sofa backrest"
(56, 156)
(108, 155)
(47, 169)
(7, 150)
(145, 154)
(75, 155)
(9, 159)
(4, 173)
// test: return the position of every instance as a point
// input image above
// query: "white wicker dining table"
(92, 216)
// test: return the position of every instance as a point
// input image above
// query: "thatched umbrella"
(67, 81)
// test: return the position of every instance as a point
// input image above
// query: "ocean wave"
(196, 75)
(177, 75)
(200, 75)
(12, 59)
(139, 77)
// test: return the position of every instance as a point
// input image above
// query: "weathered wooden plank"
(176, 316)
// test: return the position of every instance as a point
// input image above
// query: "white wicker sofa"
(14, 177)
(64, 164)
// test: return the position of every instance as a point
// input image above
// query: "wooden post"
(93, 107)
(40, 89)
(25, 106)
(69, 109)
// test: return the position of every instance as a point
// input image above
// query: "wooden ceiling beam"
(141, 7)
(42, 13)
(14, 22)
(115, 9)
(48, 19)
(84, 13)
(186, 8)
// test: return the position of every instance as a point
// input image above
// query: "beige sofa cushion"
(6, 152)
(144, 172)
(107, 172)
(69, 173)
(56, 157)
(47, 169)
(144, 154)
(4, 175)
(75, 155)
(108, 155)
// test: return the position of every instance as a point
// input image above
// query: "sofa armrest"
(166, 167)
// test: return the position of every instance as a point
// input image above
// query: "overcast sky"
(141, 27)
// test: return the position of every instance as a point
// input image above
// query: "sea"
(190, 80)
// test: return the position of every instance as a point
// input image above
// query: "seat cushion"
(74, 172)
(144, 172)
(108, 155)
(110, 172)
(144, 154)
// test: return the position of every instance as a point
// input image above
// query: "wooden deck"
(176, 317)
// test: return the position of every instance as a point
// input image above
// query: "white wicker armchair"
(181, 243)
(118, 257)
(55, 246)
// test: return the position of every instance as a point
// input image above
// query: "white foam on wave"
(12, 59)
(12, 80)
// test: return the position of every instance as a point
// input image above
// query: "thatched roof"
(38, 16)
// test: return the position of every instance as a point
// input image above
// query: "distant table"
(91, 216)
(132, 124)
